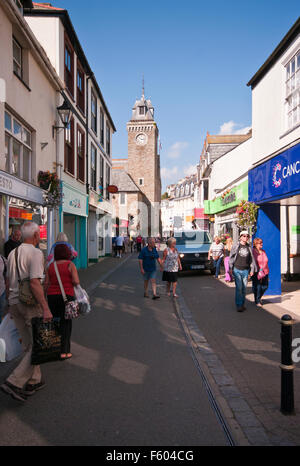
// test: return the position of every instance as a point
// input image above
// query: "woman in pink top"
(260, 279)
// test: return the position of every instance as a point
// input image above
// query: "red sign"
(112, 189)
(199, 214)
(43, 231)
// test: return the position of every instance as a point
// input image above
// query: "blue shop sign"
(277, 178)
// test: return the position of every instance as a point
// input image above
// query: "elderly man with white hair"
(26, 262)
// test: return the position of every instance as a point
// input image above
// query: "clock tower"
(143, 157)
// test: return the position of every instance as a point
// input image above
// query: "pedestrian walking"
(3, 286)
(260, 279)
(216, 252)
(171, 264)
(61, 239)
(69, 278)
(227, 249)
(242, 263)
(139, 241)
(26, 262)
(120, 245)
(147, 260)
(13, 242)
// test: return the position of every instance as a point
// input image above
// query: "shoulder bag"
(71, 307)
(25, 293)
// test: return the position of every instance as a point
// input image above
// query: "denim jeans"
(217, 265)
(241, 280)
(259, 287)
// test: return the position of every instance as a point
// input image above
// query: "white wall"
(269, 122)
(230, 167)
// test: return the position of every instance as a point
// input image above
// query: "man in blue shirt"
(147, 260)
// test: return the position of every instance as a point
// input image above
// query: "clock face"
(141, 139)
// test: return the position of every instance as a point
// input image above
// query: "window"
(142, 110)
(101, 127)
(93, 167)
(69, 148)
(18, 150)
(107, 180)
(293, 91)
(80, 87)
(80, 154)
(141, 181)
(101, 178)
(122, 199)
(93, 112)
(17, 58)
(69, 66)
(107, 139)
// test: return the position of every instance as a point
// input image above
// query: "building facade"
(29, 91)
(84, 148)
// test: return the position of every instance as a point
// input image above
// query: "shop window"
(293, 91)
(18, 151)
(80, 154)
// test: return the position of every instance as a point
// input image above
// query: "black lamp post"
(65, 113)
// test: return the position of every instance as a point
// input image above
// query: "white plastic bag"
(10, 342)
(83, 300)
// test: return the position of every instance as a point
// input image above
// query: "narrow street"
(132, 379)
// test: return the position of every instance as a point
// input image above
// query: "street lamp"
(65, 113)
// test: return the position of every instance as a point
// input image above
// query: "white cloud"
(169, 173)
(190, 170)
(230, 127)
(176, 149)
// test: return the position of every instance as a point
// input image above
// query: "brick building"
(137, 203)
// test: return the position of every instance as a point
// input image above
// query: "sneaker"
(155, 296)
(15, 392)
(35, 387)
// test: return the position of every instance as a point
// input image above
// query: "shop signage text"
(229, 199)
(277, 178)
(15, 187)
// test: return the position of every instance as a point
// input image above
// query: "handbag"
(46, 338)
(25, 293)
(71, 307)
(261, 274)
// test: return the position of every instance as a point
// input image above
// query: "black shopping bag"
(46, 345)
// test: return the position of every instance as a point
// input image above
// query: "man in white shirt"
(26, 378)
(119, 244)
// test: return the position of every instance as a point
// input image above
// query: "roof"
(225, 139)
(276, 54)
(148, 115)
(46, 9)
(123, 181)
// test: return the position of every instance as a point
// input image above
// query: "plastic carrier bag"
(10, 341)
(83, 300)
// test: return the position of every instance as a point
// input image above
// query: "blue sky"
(196, 56)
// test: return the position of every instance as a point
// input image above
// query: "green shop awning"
(232, 199)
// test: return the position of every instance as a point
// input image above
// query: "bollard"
(287, 367)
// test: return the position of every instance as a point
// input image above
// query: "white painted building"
(84, 150)
(29, 91)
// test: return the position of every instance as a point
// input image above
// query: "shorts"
(149, 275)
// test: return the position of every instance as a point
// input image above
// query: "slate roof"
(123, 181)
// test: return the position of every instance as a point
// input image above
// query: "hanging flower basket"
(50, 183)
(247, 215)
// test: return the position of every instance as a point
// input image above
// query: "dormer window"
(142, 110)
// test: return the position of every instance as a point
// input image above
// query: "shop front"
(20, 202)
(73, 221)
(99, 227)
(223, 208)
(275, 186)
